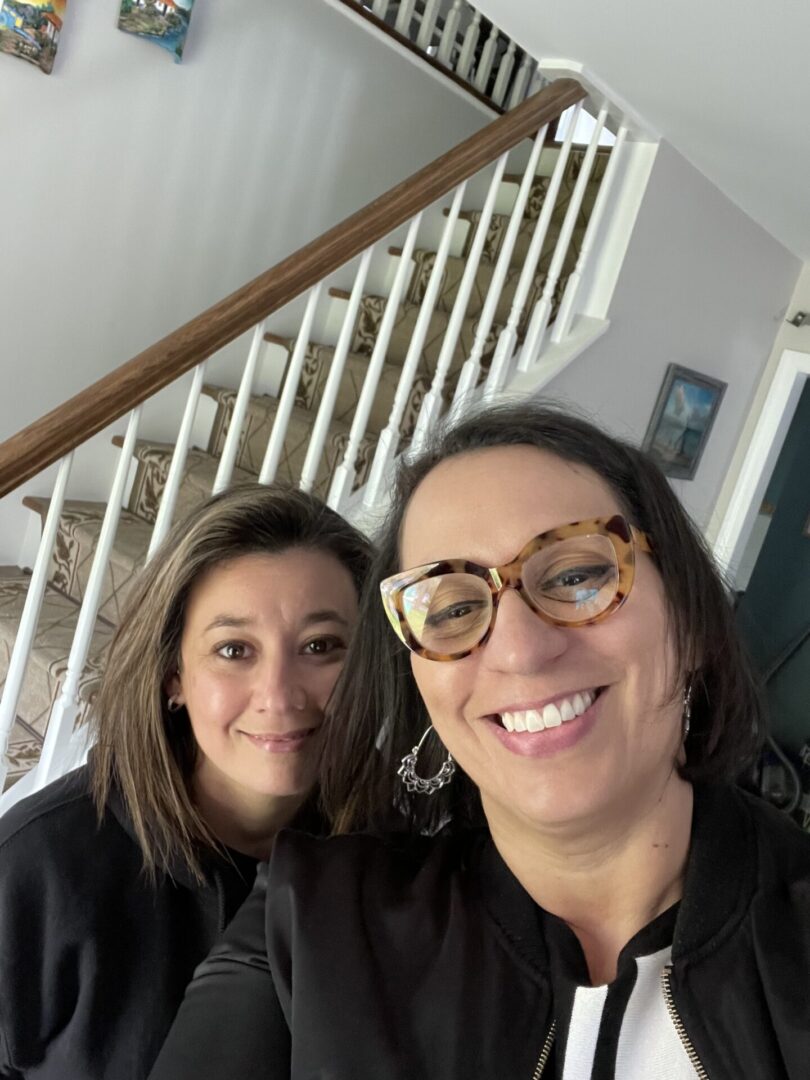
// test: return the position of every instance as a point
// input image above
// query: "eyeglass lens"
(572, 581)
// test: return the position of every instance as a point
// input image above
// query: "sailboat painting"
(163, 21)
(30, 29)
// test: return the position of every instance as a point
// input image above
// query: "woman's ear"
(173, 686)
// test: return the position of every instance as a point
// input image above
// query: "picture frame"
(679, 427)
(30, 29)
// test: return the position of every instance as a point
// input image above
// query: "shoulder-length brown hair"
(142, 749)
(377, 714)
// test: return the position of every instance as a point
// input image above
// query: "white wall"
(136, 192)
(703, 286)
(796, 338)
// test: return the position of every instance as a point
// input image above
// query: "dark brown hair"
(377, 714)
(148, 754)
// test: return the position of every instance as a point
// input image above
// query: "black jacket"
(382, 960)
(93, 958)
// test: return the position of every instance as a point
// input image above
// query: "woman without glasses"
(583, 893)
(116, 880)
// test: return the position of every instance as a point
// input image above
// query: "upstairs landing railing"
(305, 274)
(458, 40)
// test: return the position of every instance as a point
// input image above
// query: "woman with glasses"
(550, 690)
(116, 880)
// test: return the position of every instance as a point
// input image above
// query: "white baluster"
(230, 449)
(484, 69)
(389, 439)
(344, 476)
(320, 428)
(431, 406)
(380, 7)
(449, 33)
(174, 479)
(56, 747)
(562, 324)
(521, 82)
(404, 16)
(292, 377)
(428, 24)
(504, 72)
(538, 324)
(505, 349)
(468, 379)
(468, 48)
(30, 615)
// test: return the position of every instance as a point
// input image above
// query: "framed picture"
(681, 420)
(164, 22)
(30, 29)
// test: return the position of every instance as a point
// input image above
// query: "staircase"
(463, 280)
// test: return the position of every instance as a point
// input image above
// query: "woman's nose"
(521, 642)
(277, 688)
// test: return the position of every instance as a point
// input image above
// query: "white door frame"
(763, 450)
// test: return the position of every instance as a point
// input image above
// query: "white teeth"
(534, 720)
(552, 715)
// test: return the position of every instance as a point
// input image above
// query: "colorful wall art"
(163, 21)
(682, 419)
(31, 30)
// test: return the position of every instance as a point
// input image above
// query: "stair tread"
(85, 517)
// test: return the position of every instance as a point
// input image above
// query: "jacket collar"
(720, 881)
(721, 874)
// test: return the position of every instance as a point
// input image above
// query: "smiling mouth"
(553, 715)
(283, 742)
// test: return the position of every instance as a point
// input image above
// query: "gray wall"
(703, 286)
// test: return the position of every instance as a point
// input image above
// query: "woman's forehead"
(485, 504)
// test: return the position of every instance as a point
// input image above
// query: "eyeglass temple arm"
(641, 539)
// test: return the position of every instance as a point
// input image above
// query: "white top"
(623, 1030)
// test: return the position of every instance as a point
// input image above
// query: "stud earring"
(173, 705)
(425, 785)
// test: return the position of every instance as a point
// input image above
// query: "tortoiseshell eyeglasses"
(573, 575)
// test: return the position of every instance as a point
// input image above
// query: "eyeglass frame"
(625, 538)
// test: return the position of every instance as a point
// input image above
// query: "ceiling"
(726, 82)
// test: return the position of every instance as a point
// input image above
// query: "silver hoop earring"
(173, 705)
(687, 709)
(418, 784)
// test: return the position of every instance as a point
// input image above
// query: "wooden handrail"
(64, 428)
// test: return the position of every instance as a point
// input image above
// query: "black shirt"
(94, 959)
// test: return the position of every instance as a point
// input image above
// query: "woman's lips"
(288, 743)
(550, 740)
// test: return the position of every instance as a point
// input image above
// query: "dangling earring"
(432, 784)
(173, 705)
(687, 709)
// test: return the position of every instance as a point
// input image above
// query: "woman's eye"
(459, 610)
(233, 650)
(323, 646)
(574, 577)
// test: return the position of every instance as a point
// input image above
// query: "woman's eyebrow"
(227, 620)
(236, 621)
(326, 615)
